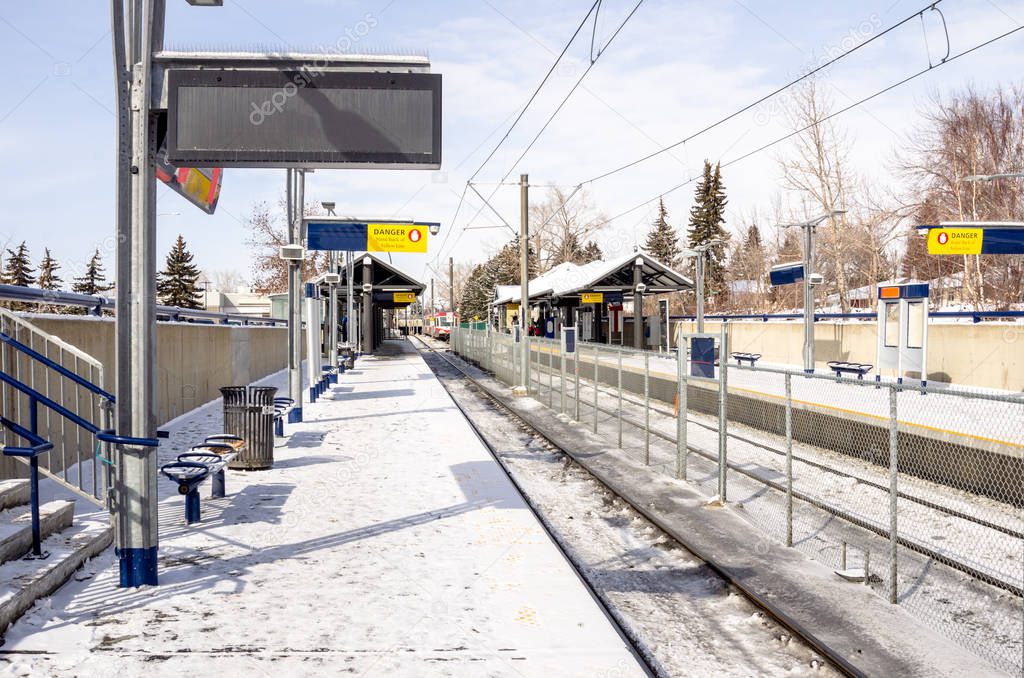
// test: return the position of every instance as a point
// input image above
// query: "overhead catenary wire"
(533, 96)
(758, 102)
(828, 117)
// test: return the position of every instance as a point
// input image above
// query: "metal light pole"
(332, 311)
(809, 227)
(294, 199)
(524, 282)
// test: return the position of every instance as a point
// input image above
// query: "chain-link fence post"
(789, 460)
(647, 408)
(893, 491)
(597, 362)
(723, 353)
(681, 448)
(561, 378)
(619, 382)
(551, 377)
(576, 379)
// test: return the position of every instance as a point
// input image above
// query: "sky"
(675, 67)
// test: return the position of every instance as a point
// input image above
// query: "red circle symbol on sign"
(943, 238)
(415, 235)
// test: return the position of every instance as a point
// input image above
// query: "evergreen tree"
(94, 280)
(176, 284)
(18, 270)
(48, 278)
(662, 241)
(591, 252)
(707, 219)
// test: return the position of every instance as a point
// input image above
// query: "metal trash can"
(249, 414)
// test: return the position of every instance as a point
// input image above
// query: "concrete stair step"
(14, 493)
(16, 531)
(23, 582)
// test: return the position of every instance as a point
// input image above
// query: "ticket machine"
(903, 330)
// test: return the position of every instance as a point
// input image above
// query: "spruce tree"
(176, 284)
(662, 241)
(18, 270)
(94, 280)
(48, 278)
(591, 252)
(707, 219)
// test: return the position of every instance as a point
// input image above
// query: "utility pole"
(699, 262)
(808, 265)
(332, 314)
(137, 34)
(294, 181)
(451, 284)
(524, 283)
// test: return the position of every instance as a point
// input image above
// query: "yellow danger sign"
(404, 297)
(592, 297)
(955, 240)
(396, 238)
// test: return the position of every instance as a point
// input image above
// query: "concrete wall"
(193, 360)
(989, 355)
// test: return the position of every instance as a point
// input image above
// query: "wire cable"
(828, 117)
(758, 102)
(537, 91)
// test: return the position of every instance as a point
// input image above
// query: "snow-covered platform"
(385, 541)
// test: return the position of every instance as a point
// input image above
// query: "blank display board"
(266, 118)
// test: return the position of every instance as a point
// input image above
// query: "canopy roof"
(616, 275)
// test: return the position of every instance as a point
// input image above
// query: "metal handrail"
(50, 403)
(976, 316)
(55, 366)
(97, 304)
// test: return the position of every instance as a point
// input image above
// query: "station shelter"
(378, 290)
(592, 297)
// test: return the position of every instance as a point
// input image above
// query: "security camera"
(329, 206)
(434, 229)
(641, 288)
(367, 287)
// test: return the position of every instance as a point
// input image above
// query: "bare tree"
(967, 133)
(268, 231)
(562, 229)
(227, 280)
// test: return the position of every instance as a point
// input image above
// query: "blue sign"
(335, 237)
(702, 357)
(786, 274)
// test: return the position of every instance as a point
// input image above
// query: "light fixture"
(206, 3)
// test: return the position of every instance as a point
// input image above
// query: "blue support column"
(192, 512)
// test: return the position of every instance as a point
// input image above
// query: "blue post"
(279, 426)
(37, 547)
(192, 506)
(295, 415)
(217, 484)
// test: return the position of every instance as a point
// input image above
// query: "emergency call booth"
(903, 330)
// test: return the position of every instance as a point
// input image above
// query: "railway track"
(837, 662)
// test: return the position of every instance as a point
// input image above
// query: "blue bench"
(282, 406)
(841, 367)
(207, 460)
(740, 358)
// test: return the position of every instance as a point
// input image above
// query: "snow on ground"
(687, 620)
(385, 540)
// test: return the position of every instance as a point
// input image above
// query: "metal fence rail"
(77, 460)
(915, 492)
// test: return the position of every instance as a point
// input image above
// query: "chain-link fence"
(915, 492)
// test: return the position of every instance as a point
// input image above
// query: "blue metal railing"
(55, 366)
(96, 305)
